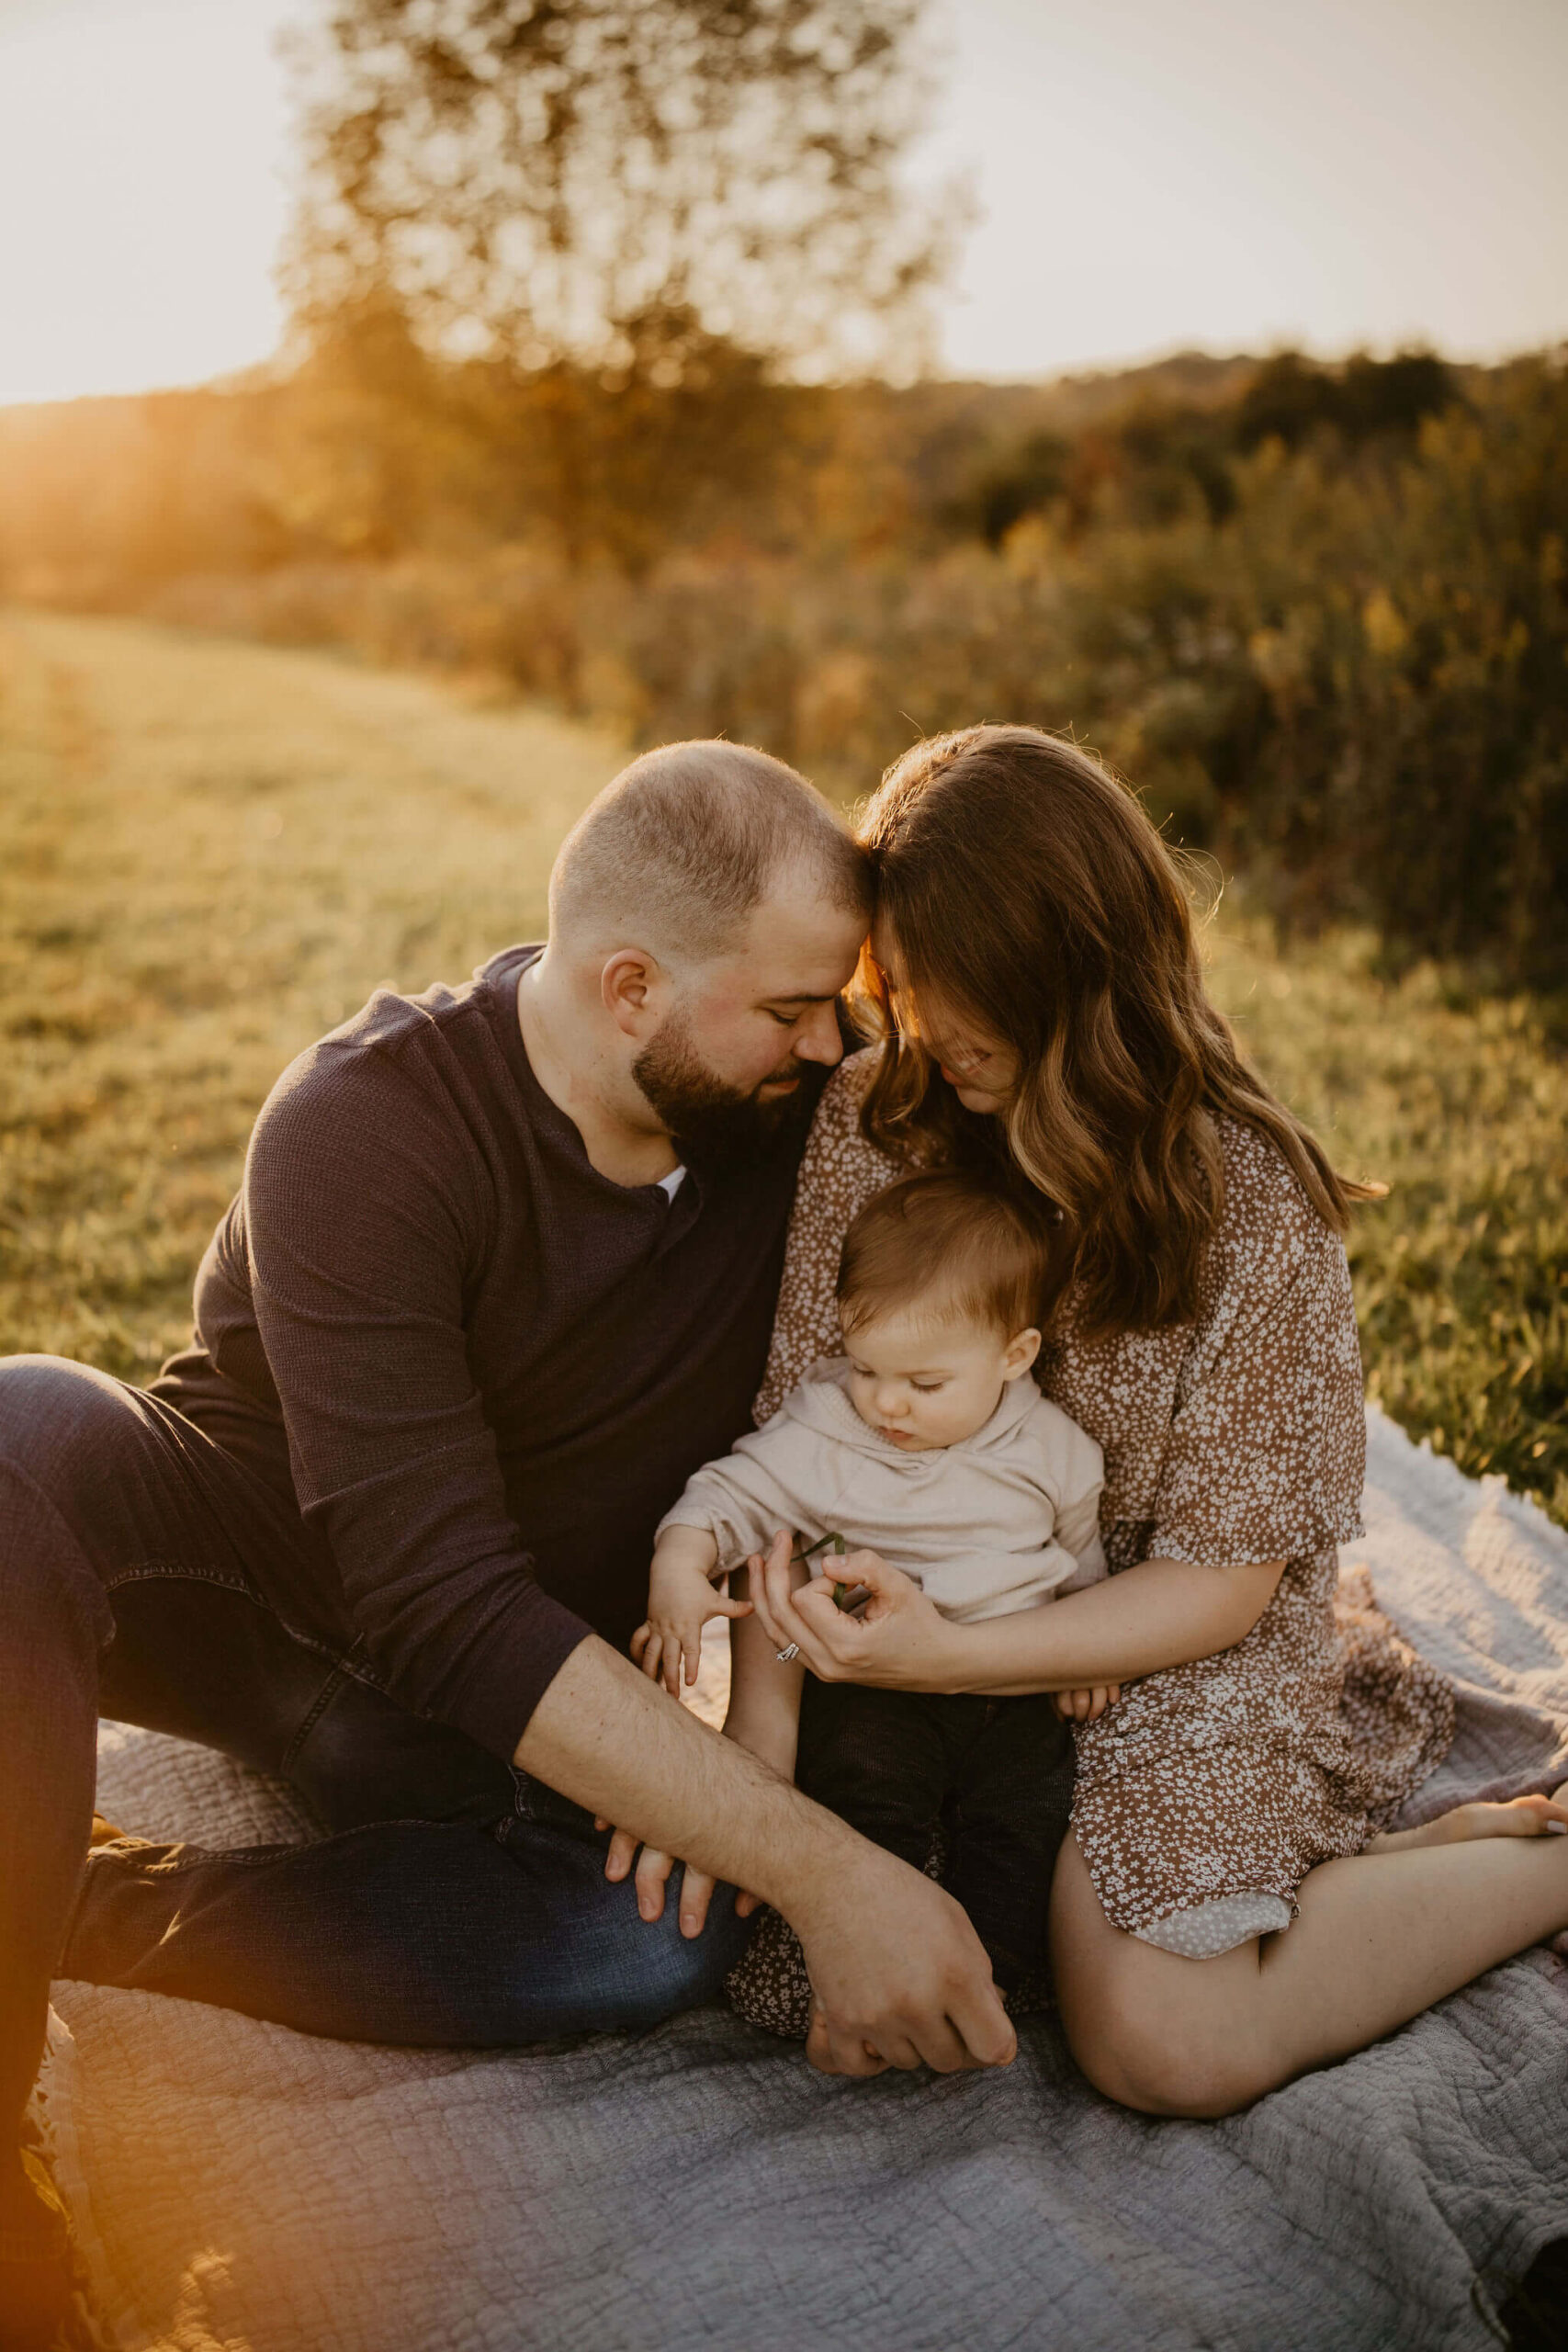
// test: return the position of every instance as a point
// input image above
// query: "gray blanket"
(241, 2187)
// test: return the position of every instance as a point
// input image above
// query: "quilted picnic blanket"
(239, 2188)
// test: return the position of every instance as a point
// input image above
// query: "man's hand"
(901, 1979)
(935, 2005)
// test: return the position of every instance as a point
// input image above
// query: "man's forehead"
(796, 948)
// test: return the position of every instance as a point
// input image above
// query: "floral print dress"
(1207, 1794)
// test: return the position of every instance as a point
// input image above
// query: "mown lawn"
(210, 852)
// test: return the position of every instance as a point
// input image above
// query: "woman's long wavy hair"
(1028, 893)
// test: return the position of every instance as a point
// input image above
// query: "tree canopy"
(543, 182)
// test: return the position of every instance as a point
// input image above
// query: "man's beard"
(713, 1125)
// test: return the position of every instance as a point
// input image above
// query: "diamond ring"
(785, 1656)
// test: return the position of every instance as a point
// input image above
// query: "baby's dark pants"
(990, 1779)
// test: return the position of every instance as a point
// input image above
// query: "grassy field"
(210, 853)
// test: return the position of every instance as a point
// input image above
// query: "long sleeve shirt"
(479, 1368)
(998, 1521)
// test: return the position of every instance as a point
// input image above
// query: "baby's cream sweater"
(1000, 1522)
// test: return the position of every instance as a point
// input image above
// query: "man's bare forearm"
(897, 1968)
(607, 1737)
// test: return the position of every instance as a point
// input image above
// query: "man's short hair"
(946, 1246)
(677, 851)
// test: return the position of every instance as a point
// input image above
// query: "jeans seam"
(148, 1571)
(313, 1716)
(357, 1665)
(193, 1857)
(202, 1854)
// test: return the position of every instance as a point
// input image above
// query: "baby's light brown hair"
(951, 1247)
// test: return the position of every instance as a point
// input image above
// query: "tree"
(1289, 399)
(617, 227)
(618, 201)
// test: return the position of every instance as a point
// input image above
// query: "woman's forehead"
(930, 1003)
(885, 947)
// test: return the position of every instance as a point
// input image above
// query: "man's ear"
(1021, 1351)
(635, 988)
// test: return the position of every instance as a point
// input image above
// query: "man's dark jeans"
(453, 1900)
(991, 1779)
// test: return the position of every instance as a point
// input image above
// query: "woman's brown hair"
(1029, 893)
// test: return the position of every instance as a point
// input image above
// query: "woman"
(1217, 1927)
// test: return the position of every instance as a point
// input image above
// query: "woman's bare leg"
(1517, 1817)
(1380, 1938)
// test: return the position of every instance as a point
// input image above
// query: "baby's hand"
(1086, 1706)
(681, 1598)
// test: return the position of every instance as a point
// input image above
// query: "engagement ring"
(784, 1657)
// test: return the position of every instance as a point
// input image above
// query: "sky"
(1149, 175)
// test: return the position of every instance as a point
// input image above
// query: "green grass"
(210, 853)
(1462, 1108)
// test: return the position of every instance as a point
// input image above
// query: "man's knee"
(53, 1415)
(662, 1973)
(52, 1464)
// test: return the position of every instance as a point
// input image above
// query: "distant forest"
(1319, 615)
(371, 451)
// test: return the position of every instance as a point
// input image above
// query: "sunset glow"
(1229, 173)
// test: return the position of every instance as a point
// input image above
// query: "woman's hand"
(898, 1640)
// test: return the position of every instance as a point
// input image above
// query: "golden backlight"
(1149, 174)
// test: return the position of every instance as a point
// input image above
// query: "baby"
(927, 1443)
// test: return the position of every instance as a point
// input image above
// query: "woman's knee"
(1163, 2035)
(1163, 2065)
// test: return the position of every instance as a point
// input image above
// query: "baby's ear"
(1021, 1351)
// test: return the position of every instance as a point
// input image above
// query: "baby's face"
(923, 1385)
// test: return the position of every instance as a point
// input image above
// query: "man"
(500, 1277)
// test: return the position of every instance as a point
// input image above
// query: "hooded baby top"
(999, 1521)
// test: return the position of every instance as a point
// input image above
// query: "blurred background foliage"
(607, 387)
(1327, 636)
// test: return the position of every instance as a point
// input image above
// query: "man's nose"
(818, 1038)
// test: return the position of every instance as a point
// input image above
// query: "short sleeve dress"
(1205, 1797)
